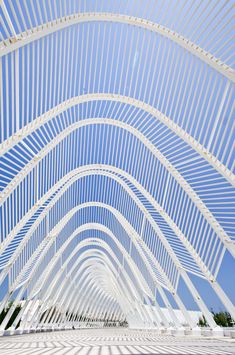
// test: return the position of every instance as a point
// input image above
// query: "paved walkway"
(113, 342)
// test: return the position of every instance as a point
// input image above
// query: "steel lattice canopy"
(117, 161)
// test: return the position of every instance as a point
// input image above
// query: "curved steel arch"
(94, 275)
(198, 260)
(169, 250)
(105, 170)
(39, 121)
(139, 280)
(84, 265)
(179, 178)
(93, 254)
(49, 303)
(126, 305)
(127, 202)
(130, 20)
(192, 289)
(21, 292)
(136, 271)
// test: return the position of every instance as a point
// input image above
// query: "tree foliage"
(202, 322)
(222, 318)
(13, 316)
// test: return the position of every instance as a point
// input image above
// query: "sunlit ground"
(112, 341)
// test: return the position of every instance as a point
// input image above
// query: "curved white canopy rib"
(50, 238)
(139, 280)
(135, 289)
(53, 26)
(108, 171)
(130, 289)
(173, 171)
(83, 280)
(132, 233)
(117, 159)
(198, 260)
(47, 116)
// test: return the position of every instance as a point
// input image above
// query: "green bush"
(222, 318)
(13, 316)
(202, 322)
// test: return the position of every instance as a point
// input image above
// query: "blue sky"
(121, 59)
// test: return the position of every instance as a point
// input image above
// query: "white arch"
(139, 279)
(191, 183)
(51, 237)
(132, 233)
(174, 127)
(165, 162)
(80, 270)
(196, 257)
(135, 273)
(43, 30)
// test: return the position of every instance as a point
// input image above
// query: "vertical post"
(17, 74)
(1, 104)
(218, 115)
(4, 9)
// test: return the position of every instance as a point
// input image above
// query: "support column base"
(12, 331)
(18, 331)
(178, 331)
(196, 331)
(170, 330)
(217, 332)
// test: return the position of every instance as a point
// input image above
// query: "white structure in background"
(117, 161)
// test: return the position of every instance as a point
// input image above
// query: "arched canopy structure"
(117, 185)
